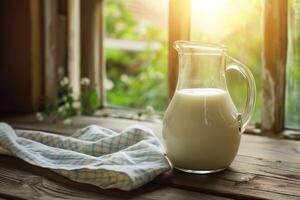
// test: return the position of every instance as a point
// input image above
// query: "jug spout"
(196, 47)
(200, 65)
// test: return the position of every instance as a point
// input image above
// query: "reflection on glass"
(236, 24)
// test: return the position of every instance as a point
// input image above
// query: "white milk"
(200, 129)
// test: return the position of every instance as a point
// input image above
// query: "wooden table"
(264, 169)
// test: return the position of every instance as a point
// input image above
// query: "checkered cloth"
(93, 155)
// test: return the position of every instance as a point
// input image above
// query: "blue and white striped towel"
(93, 155)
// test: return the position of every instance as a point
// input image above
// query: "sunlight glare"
(210, 15)
(210, 5)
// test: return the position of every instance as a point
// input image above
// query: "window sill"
(261, 162)
(106, 117)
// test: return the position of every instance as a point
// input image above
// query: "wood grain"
(30, 122)
(61, 50)
(73, 32)
(31, 182)
(51, 30)
(265, 168)
(35, 50)
(20, 73)
(247, 177)
(92, 32)
(274, 58)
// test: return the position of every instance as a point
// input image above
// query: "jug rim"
(196, 47)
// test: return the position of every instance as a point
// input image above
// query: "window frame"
(275, 37)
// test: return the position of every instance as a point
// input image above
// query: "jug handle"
(244, 117)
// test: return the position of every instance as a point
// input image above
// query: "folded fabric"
(93, 155)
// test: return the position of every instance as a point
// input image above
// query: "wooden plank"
(256, 146)
(273, 150)
(20, 61)
(30, 122)
(50, 47)
(31, 182)
(102, 73)
(179, 29)
(92, 62)
(292, 134)
(36, 29)
(14, 51)
(73, 29)
(274, 58)
(61, 44)
(265, 168)
(235, 185)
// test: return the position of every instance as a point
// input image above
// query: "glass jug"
(201, 126)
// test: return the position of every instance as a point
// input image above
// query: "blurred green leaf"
(94, 100)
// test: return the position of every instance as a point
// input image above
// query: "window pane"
(136, 53)
(236, 24)
(292, 104)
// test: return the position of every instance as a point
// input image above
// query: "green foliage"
(89, 100)
(62, 107)
(66, 105)
(139, 77)
(65, 102)
(292, 105)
